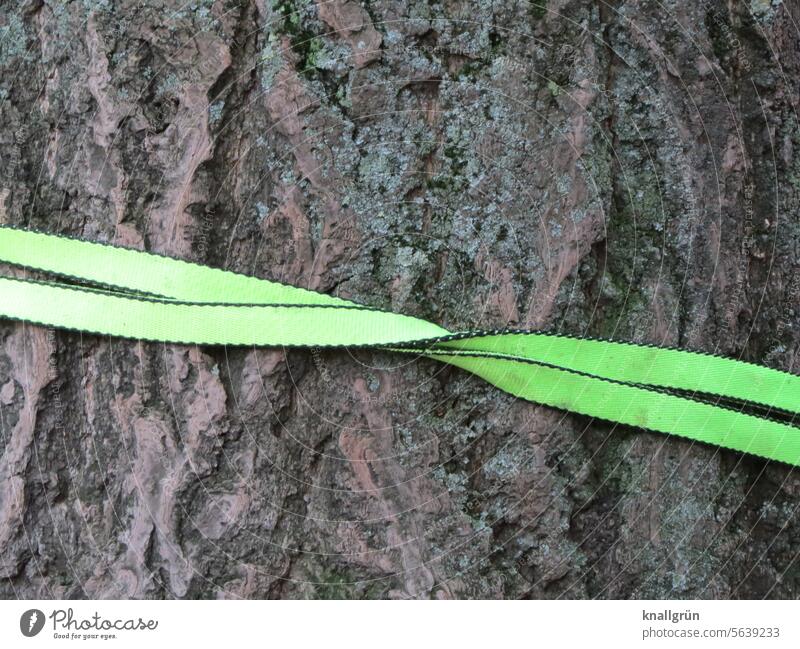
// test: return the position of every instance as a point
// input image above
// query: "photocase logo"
(31, 622)
(67, 626)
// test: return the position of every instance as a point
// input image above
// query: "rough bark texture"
(626, 170)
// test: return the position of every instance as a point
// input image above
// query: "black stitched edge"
(115, 246)
(641, 386)
(776, 413)
(81, 282)
(645, 388)
(766, 411)
(148, 297)
(554, 334)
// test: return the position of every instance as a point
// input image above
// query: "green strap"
(131, 294)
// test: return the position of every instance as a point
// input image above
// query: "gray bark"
(612, 169)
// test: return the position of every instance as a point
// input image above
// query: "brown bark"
(617, 169)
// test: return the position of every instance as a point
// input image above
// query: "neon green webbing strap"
(133, 294)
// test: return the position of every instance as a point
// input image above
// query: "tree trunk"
(623, 170)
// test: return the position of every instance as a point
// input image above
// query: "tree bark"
(612, 169)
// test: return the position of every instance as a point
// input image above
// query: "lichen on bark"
(616, 169)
